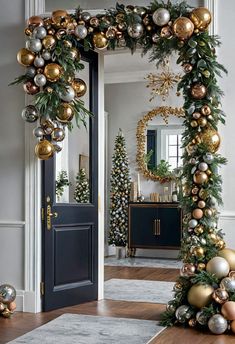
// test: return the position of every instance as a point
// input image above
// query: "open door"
(70, 226)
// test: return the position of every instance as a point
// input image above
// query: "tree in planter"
(61, 182)
(120, 190)
(82, 190)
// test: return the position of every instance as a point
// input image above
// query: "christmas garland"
(205, 291)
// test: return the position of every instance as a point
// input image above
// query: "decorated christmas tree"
(82, 191)
(120, 189)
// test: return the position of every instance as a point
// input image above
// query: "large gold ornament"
(49, 42)
(183, 28)
(65, 113)
(211, 139)
(200, 295)
(100, 41)
(229, 255)
(44, 150)
(53, 72)
(59, 18)
(200, 177)
(25, 57)
(79, 87)
(201, 18)
(198, 91)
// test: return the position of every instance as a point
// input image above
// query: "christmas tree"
(82, 191)
(120, 189)
(61, 182)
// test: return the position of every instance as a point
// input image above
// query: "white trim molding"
(34, 7)
(5, 224)
(212, 7)
(124, 77)
(227, 215)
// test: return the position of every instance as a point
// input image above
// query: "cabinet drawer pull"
(158, 227)
(155, 227)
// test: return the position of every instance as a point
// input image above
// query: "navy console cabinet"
(154, 225)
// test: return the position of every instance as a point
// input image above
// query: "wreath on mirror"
(205, 291)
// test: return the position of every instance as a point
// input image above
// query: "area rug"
(89, 329)
(138, 290)
(144, 262)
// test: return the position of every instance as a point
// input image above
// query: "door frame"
(32, 239)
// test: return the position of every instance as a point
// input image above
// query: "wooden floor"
(21, 323)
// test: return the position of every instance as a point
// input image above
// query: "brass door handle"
(155, 227)
(158, 227)
(55, 214)
(49, 216)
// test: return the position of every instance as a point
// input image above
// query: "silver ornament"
(30, 114)
(38, 132)
(86, 16)
(139, 10)
(193, 161)
(136, 30)
(193, 170)
(201, 318)
(40, 32)
(57, 147)
(161, 16)
(183, 313)
(228, 284)
(30, 71)
(58, 134)
(67, 95)
(46, 55)
(213, 201)
(7, 293)
(39, 62)
(208, 157)
(34, 45)
(217, 324)
(80, 31)
(171, 307)
(193, 223)
(203, 166)
(218, 266)
(40, 80)
(155, 38)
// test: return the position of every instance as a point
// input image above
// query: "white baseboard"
(25, 301)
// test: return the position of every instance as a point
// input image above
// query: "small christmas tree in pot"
(119, 196)
(82, 189)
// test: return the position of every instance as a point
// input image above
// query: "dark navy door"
(70, 226)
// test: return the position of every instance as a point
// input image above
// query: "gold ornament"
(228, 310)
(53, 72)
(200, 295)
(203, 194)
(229, 255)
(80, 87)
(65, 113)
(220, 295)
(202, 121)
(6, 313)
(111, 32)
(201, 18)
(220, 244)
(44, 150)
(198, 252)
(201, 204)
(195, 198)
(183, 28)
(200, 177)
(192, 322)
(212, 237)
(198, 229)
(35, 21)
(211, 139)
(187, 270)
(197, 214)
(59, 18)
(100, 41)
(208, 172)
(49, 42)
(166, 32)
(25, 57)
(2, 307)
(74, 54)
(201, 266)
(195, 190)
(193, 124)
(27, 31)
(208, 212)
(52, 32)
(198, 91)
(206, 110)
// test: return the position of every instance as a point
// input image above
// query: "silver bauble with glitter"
(86, 16)
(217, 324)
(136, 30)
(80, 31)
(161, 16)
(30, 114)
(203, 166)
(34, 45)
(7, 293)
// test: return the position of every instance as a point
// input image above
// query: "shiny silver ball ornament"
(38, 132)
(193, 223)
(136, 30)
(39, 32)
(30, 114)
(217, 324)
(46, 55)
(183, 313)
(34, 45)
(7, 293)
(85, 16)
(39, 62)
(161, 16)
(80, 31)
(228, 284)
(57, 147)
(208, 158)
(68, 94)
(58, 134)
(40, 80)
(201, 318)
(31, 71)
(203, 166)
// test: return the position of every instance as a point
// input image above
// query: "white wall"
(11, 146)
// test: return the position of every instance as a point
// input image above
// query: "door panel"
(70, 234)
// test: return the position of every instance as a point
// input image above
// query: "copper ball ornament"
(220, 296)
(80, 87)
(218, 266)
(232, 326)
(187, 67)
(200, 295)
(53, 72)
(228, 310)
(35, 21)
(200, 178)
(201, 18)
(49, 42)
(44, 150)
(187, 270)
(12, 306)
(183, 28)
(197, 214)
(65, 113)
(25, 57)
(111, 33)
(201, 204)
(30, 88)
(229, 255)
(100, 41)
(206, 110)
(198, 91)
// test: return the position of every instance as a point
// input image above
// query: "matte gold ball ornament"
(200, 295)
(44, 150)
(198, 91)
(100, 41)
(53, 72)
(25, 57)
(229, 255)
(201, 18)
(183, 28)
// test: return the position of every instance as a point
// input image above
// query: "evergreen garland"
(119, 195)
(82, 189)
(61, 182)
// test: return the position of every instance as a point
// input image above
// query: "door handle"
(158, 227)
(49, 216)
(155, 227)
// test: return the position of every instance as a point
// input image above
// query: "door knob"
(55, 214)
(49, 216)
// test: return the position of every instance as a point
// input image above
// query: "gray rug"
(88, 329)
(144, 262)
(138, 290)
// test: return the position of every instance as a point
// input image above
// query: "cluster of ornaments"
(219, 296)
(7, 300)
